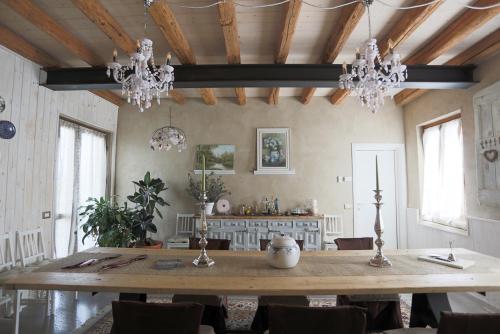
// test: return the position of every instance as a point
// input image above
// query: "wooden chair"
(316, 320)
(215, 311)
(184, 228)
(261, 319)
(7, 263)
(332, 229)
(383, 311)
(137, 317)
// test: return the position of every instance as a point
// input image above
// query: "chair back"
(467, 323)
(131, 317)
(332, 228)
(7, 261)
(185, 224)
(213, 244)
(316, 320)
(354, 243)
(265, 242)
(30, 246)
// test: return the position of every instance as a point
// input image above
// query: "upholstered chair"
(383, 311)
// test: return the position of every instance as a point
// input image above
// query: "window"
(443, 186)
(81, 173)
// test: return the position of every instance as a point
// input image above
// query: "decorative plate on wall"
(7, 130)
(223, 206)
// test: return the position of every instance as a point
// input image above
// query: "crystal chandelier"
(167, 137)
(141, 79)
(375, 77)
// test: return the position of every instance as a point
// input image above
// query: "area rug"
(241, 312)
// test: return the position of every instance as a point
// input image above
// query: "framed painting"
(219, 158)
(273, 151)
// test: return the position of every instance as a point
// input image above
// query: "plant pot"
(157, 245)
(209, 208)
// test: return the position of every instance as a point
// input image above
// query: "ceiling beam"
(342, 29)
(166, 21)
(484, 48)
(407, 23)
(47, 24)
(285, 41)
(227, 20)
(455, 32)
(21, 46)
(261, 75)
(100, 16)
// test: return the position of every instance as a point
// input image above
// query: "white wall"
(27, 161)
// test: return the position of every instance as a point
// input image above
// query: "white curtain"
(443, 188)
(81, 173)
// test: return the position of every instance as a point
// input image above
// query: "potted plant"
(108, 223)
(215, 189)
(146, 198)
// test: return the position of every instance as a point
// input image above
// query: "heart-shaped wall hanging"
(491, 155)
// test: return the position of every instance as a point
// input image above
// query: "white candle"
(376, 171)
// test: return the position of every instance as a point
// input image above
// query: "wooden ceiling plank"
(484, 48)
(227, 20)
(285, 40)
(342, 29)
(21, 46)
(398, 33)
(455, 32)
(30, 11)
(171, 30)
(100, 16)
(177, 96)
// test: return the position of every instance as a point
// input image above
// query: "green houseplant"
(215, 189)
(146, 198)
(108, 222)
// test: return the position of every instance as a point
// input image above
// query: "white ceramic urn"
(283, 252)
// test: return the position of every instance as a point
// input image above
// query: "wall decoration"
(273, 151)
(487, 117)
(7, 130)
(219, 158)
(2, 104)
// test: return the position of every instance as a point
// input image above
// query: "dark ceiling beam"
(256, 75)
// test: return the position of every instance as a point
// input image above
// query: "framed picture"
(219, 158)
(273, 151)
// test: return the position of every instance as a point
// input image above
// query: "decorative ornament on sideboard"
(167, 137)
(142, 80)
(375, 77)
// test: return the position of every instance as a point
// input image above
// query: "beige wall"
(430, 106)
(321, 149)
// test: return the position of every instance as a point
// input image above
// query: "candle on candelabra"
(138, 44)
(376, 171)
(115, 53)
(344, 68)
(169, 56)
(203, 173)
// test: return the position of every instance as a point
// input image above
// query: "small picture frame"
(273, 151)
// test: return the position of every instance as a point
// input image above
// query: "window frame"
(439, 226)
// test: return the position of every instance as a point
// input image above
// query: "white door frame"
(401, 200)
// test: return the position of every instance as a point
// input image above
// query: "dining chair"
(383, 311)
(459, 323)
(316, 320)
(261, 319)
(184, 228)
(215, 311)
(7, 264)
(130, 317)
(332, 229)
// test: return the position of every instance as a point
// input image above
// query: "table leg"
(17, 306)
(426, 309)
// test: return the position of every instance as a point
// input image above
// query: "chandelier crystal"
(168, 137)
(371, 78)
(141, 79)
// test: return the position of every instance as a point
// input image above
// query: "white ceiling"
(259, 31)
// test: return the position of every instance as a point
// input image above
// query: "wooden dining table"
(247, 273)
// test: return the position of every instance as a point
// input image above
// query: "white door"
(364, 182)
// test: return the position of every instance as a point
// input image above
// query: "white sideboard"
(246, 231)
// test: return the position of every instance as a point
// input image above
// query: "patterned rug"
(241, 312)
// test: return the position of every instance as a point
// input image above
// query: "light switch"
(46, 214)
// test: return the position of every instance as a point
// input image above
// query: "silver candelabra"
(379, 260)
(203, 260)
